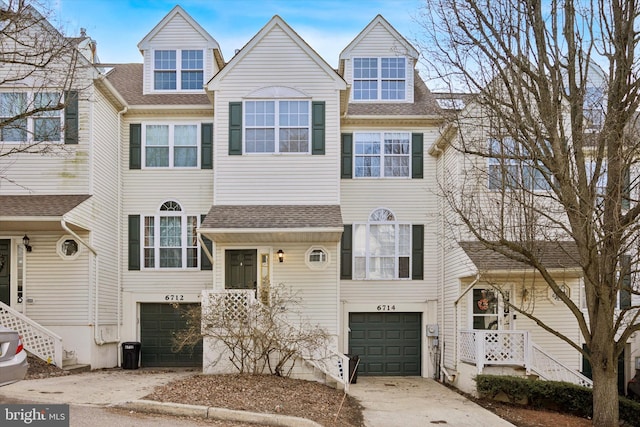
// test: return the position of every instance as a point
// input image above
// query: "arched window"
(382, 247)
(170, 239)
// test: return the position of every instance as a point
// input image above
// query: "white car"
(13, 357)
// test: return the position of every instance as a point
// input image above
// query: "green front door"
(5, 270)
(241, 269)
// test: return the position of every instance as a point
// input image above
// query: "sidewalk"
(388, 401)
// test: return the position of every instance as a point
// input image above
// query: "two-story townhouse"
(481, 333)
(58, 194)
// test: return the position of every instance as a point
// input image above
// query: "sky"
(328, 26)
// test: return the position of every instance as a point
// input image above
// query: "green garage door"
(158, 322)
(387, 343)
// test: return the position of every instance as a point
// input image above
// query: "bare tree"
(257, 337)
(38, 70)
(552, 132)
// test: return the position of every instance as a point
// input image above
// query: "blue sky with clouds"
(327, 25)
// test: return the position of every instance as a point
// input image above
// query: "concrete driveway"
(418, 402)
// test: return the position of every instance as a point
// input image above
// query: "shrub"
(553, 395)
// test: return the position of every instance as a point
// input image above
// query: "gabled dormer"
(378, 64)
(179, 55)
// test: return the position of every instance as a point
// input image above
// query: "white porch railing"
(331, 363)
(514, 348)
(37, 339)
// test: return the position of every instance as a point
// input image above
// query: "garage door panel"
(158, 324)
(387, 343)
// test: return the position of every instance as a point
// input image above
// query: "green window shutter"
(205, 264)
(625, 291)
(417, 252)
(134, 242)
(347, 155)
(135, 146)
(235, 128)
(417, 155)
(317, 118)
(346, 251)
(71, 117)
(206, 146)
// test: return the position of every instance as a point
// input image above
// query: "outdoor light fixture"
(25, 242)
(280, 255)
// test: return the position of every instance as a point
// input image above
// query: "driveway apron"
(418, 402)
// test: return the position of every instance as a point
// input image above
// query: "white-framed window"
(171, 145)
(281, 126)
(38, 126)
(169, 238)
(510, 167)
(382, 154)
(317, 258)
(173, 69)
(379, 79)
(382, 247)
(68, 247)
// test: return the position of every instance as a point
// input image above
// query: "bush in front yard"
(557, 396)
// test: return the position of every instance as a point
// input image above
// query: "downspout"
(118, 256)
(440, 172)
(65, 227)
(455, 317)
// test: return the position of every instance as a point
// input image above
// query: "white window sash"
(172, 145)
(379, 79)
(382, 156)
(277, 127)
(178, 71)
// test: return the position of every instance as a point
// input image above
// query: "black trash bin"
(353, 367)
(131, 355)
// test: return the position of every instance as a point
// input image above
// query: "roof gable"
(279, 23)
(379, 21)
(177, 13)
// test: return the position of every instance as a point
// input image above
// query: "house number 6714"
(386, 307)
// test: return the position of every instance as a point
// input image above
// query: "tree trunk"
(605, 387)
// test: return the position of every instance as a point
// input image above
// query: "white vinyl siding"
(179, 35)
(273, 179)
(380, 43)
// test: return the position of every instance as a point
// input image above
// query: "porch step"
(76, 368)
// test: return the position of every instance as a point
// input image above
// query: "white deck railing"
(37, 339)
(331, 363)
(514, 348)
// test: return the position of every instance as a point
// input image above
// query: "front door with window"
(241, 269)
(486, 309)
(5, 270)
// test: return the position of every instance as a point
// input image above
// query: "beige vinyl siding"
(58, 288)
(277, 178)
(144, 191)
(105, 203)
(379, 42)
(316, 290)
(177, 34)
(63, 170)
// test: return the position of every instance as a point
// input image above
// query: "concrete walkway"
(418, 402)
(388, 401)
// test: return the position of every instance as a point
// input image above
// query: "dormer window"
(174, 69)
(379, 79)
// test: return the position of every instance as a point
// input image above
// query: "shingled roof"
(39, 205)
(554, 255)
(273, 217)
(424, 104)
(127, 79)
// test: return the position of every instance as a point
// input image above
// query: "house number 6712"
(174, 297)
(386, 307)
